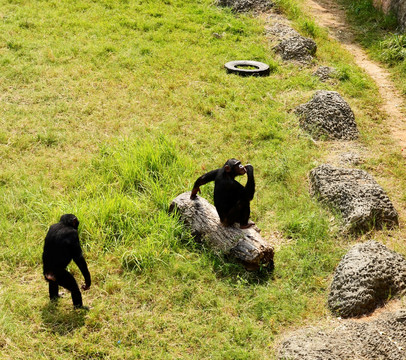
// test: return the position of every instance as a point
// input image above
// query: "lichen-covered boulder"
(298, 48)
(246, 5)
(350, 158)
(328, 115)
(365, 278)
(362, 203)
(380, 339)
(281, 31)
(324, 73)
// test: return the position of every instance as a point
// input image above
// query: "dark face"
(239, 169)
(70, 220)
(234, 167)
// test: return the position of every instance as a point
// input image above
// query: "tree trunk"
(245, 245)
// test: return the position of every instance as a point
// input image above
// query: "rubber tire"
(261, 68)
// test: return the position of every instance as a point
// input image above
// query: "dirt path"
(330, 15)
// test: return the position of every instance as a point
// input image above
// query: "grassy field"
(109, 110)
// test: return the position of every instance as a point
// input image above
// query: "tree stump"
(245, 245)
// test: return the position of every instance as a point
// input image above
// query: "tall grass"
(393, 49)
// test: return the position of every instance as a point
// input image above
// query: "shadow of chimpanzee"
(228, 269)
(62, 322)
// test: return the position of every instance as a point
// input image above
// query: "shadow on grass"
(229, 269)
(226, 267)
(60, 321)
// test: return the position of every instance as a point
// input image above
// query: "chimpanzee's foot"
(248, 225)
(55, 298)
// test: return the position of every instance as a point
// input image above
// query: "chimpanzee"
(232, 200)
(61, 246)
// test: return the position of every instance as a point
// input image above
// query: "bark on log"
(245, 245)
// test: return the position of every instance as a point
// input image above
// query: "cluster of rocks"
(361, 202)
(369, 274)
(354, 193)
(241, 6)
(365, 278)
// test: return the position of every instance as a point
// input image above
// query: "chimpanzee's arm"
(81, 263)
(250, 186)
(204, 179)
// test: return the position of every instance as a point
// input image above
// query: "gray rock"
(281, 31)
(298, 48)
(365, 278)
(354, 193)
(246, 5)
(397, 7)
(328, 114)
(380, 339)
(350, 158)
(324, 73)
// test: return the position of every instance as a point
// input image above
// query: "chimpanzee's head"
(70, 220)
(234, 167)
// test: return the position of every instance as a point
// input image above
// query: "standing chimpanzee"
(232, 200)
(61, 246)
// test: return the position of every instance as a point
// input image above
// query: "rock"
(365, 278)
(380, 339)
(397, 7)
(246, 5)
(291, 45)
(298, 48)
(350, 158)
(362, 203)
(281, 31)
(324, 73)
(245, 245)
(328, 114)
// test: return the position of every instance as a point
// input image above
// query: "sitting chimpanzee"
(61, 246)
(232, 200)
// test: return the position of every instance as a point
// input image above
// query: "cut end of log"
(245, 245)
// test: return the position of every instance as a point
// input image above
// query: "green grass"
(110, 109)
(380, 35)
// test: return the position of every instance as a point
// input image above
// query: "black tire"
(237, 67)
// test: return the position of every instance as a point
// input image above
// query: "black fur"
(61, 246)
(232, 200)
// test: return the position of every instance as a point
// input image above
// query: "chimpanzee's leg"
(231, 216)
(244, 214)
(53, 290)
(66, 280)
(240, 213)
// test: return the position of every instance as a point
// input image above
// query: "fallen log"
(245, 245)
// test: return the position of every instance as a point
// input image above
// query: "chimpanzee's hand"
(194, 193)
(85, 287)
(249, 168)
